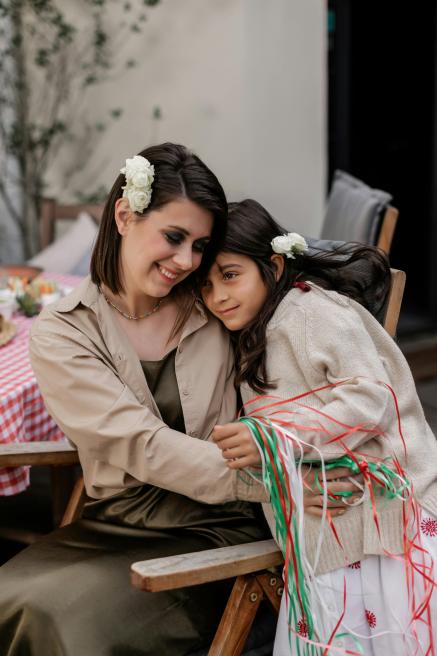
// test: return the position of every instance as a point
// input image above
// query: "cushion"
(354, 210)
(70, 253)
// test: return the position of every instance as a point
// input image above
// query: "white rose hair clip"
(291, 244)
(139, 173)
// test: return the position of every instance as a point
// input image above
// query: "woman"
(110, 360)
(136, 375)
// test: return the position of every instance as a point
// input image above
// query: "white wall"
(242, 82)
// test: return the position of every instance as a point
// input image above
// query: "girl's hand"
(337, 481)
(237, 445)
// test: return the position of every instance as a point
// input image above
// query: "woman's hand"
(337, 481)
(237, 445)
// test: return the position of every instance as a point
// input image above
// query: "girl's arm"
(239, 450)
(309, 350)
(331, 346)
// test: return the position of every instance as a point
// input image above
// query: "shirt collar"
(87, 294)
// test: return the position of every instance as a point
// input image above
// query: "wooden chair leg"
(63, 481)
(273, 588)
(238, 617)
(75, 504)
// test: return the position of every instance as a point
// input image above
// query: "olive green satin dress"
(69, 594)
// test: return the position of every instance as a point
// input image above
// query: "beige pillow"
(71, 252)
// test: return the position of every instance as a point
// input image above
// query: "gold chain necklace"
(131, 317)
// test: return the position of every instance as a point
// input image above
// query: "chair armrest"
(173, 572)
(37, 453)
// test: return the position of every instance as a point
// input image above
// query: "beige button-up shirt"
(94, 388)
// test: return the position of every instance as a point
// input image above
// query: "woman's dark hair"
(359, 272)
(178, 174)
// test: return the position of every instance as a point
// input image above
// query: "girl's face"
(234, 290)
(161, 250)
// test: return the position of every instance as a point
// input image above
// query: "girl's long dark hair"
(359, 272)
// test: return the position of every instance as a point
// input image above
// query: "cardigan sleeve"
(104, 419)
(334, 348)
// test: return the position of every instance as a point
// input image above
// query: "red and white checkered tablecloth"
(23, 416)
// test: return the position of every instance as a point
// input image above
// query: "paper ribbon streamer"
(283, 453)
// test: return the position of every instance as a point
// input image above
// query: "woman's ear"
(123, 215)
(279, 263)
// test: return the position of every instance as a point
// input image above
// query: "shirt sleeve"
(335, 349)
(107, 423)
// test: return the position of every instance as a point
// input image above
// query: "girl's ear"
(279, 263)
(123, 215)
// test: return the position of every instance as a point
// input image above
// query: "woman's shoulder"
(67, 311)
(310, 301)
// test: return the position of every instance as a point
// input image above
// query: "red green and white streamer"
(283, 452)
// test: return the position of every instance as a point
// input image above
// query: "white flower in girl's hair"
(291, 244)
(139, 173)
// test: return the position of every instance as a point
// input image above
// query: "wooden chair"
(51, 212)
(65, 487)
(249, 563)
(356, 212)
(252, 564)
(387, 230)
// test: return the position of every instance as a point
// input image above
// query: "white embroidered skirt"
(377, 619)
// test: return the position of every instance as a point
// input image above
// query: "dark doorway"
(382, 128)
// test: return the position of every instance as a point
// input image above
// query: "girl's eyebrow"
(230, 266)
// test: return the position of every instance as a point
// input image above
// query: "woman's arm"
(109, 425)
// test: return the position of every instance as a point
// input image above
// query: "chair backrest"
(394, 301)
(51, 212)
(356, 212)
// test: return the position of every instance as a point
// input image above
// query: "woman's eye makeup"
(199, 246)
(230, 275)
(174, 237)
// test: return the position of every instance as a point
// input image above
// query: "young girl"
(322, 381)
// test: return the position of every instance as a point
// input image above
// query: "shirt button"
(194, 433)
(185, 392)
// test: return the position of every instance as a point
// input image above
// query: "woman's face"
(234, 290)
(161, 250)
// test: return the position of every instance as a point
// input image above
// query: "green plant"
(49, 59)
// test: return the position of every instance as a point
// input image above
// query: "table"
(23, 415)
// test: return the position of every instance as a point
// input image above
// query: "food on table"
(28, 305)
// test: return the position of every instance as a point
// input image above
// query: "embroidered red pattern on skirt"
(302, 628)
(371, 619)
(429, 527)
(356, 565)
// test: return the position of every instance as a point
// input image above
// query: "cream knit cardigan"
(321, 337)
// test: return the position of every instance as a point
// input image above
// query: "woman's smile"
(168, 275)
